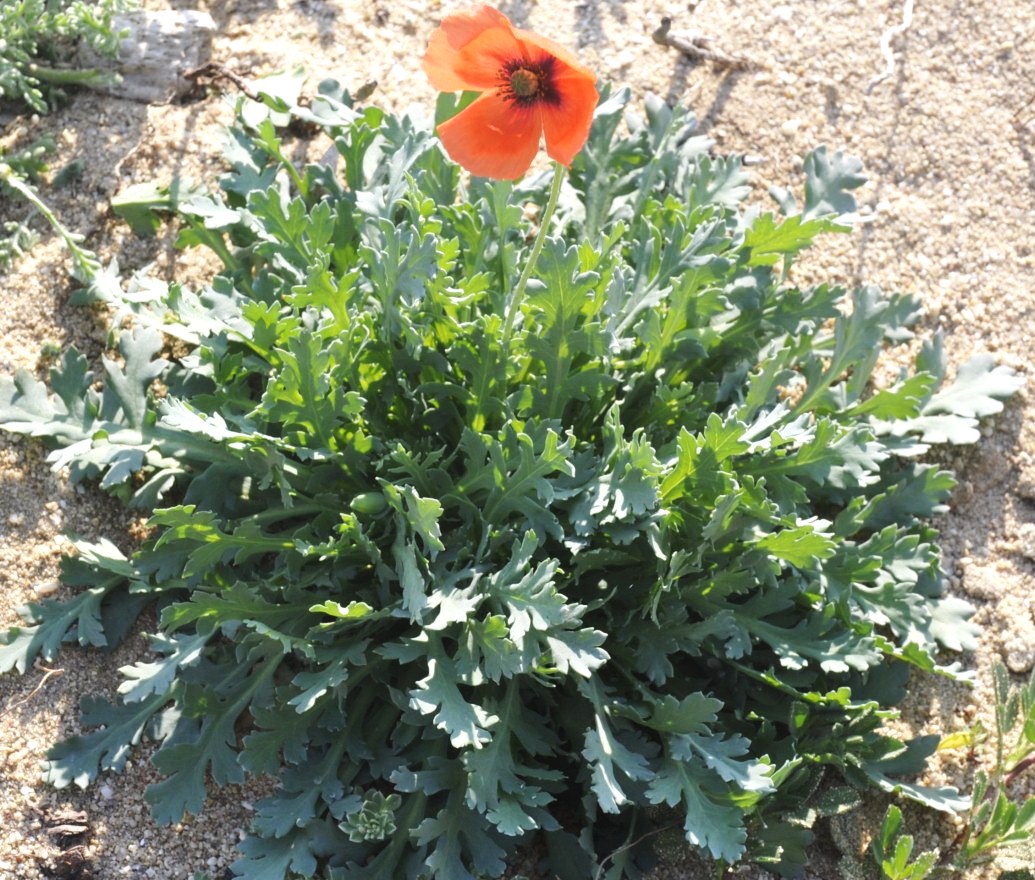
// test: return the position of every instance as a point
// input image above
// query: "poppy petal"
(537, 46)
(492, 138)
(498, 135)
(482, 61)
(462, 27)
(455, 32)
(566, 123)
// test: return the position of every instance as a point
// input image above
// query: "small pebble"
(790, 126)
(1020, 658)
(625, 58)
(106, 792)
(46, 588)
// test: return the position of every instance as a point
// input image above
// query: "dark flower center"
(524, 83)
(529, 82)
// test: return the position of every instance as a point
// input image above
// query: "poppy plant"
(529, 86)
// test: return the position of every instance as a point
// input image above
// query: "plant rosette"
(664, 550)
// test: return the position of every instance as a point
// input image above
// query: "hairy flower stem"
(70, 76)
(85, 262)
(544, 224)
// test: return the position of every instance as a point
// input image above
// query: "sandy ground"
(947, 138)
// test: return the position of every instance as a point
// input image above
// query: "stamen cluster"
(529, 82)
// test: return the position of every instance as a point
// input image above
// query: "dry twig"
(1016, 119)
(610, 858)
(699, 48)
(117, 170)
(214, 71)
(47, 675)
(885, 44)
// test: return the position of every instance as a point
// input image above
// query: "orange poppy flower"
(530, 87)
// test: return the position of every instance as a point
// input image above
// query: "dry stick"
(46, 677)
(214, 70)
(117, 170)
(630, 845)
(699, 48)
(885, 44)
(1016, 118)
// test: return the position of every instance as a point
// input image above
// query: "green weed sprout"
(996, 820)
(36, 36)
